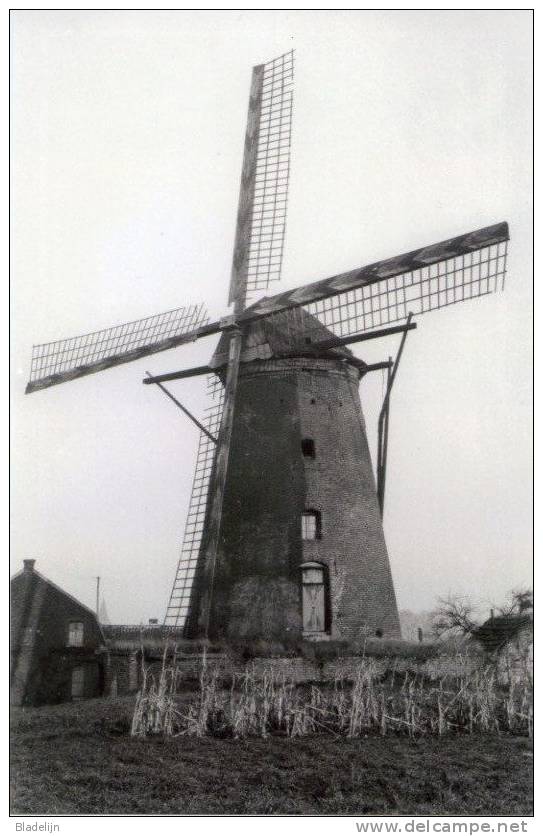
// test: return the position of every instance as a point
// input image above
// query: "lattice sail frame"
(262, 209)
(57, 362)
(443, 284)
(178, 606)
(380, 302)
(272, 175)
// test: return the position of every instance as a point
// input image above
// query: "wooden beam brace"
(383, 444)
(183, 409)
(194, 372)
(374, 367)
(384, 415)
(366, 335)
(335, 342)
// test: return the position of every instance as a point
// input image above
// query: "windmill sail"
(426, 279)
(178, 605)
(64, 360)
(262, 208)
(257, 258)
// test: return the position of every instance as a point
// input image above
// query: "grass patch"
(79, 758)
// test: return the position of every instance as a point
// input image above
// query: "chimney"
(28, 565)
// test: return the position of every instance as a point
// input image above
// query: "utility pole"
(97, 596)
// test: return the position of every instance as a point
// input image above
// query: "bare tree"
(520, 602)
(454, 616)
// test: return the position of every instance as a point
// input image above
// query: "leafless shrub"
(155, 711)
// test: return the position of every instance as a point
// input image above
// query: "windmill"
(284, 536)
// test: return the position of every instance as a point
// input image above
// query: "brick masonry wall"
(257, 576)
(340, 484)
(301, 670)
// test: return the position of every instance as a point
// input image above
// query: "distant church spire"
(103, 616)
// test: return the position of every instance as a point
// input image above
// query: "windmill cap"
(292, 330)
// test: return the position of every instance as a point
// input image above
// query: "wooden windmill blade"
(178, 604)
(262, 208)
(426, 279)
(257, 261)
(68, 359)
(258, 250)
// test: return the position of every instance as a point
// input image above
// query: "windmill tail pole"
(382, 444)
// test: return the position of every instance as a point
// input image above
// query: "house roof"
(498, 631)
(34, 573)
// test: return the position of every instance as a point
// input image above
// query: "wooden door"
(78, 683)
(313, 608)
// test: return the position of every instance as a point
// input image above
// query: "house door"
(313, 610)
(78, 683)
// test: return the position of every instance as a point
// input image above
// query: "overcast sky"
(127, 137)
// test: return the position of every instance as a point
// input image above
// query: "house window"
(75, 634)
(314, 599)
(311, 525)
(78, 683)
(308, 448)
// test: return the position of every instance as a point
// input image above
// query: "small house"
(58, 650)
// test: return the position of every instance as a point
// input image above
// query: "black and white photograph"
(271, 414)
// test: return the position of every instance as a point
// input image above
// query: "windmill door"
(313, 608)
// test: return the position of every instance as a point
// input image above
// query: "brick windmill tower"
(284, 535)
(301, 545)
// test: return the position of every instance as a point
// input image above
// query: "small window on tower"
(75, 634)
(308, 448)
(311, 525)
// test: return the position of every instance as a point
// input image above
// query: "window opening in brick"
(308, 448)
(379, 633)
(311, 525)
(75, 634)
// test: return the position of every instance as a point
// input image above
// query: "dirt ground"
(79, 758)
